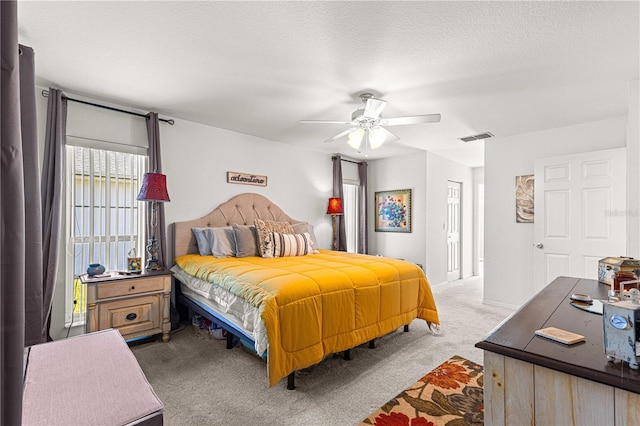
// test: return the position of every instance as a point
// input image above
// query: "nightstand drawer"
(131, 316)
(127, 287)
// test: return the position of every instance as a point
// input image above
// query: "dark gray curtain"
(16, 179)
(155, 166)
(363, 239)
(52, 190)
(33, 290)
(337, 192)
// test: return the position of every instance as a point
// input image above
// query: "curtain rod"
(348, 161)
(351, 161)
(45, 93)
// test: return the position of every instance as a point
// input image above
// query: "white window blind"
(104, 219)
(350, 195)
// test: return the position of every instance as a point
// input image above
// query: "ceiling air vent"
(485, 135)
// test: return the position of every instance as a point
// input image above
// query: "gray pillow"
(203, 240)
(301, 228)
(220, 242)
(246, 240)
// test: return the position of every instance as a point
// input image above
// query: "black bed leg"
(229, 340)
(291, 381)
(347, 355)
(406, 328)
(372, 344)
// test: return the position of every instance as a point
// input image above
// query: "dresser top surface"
(551, 307)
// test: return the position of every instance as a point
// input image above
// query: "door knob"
(539, 245)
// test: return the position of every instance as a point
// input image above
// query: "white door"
(453, 230)
(580, 205)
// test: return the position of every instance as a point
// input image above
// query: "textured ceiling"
(260, 67)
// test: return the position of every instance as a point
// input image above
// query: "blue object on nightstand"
(95, 269)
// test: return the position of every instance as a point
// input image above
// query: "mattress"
(242, 314)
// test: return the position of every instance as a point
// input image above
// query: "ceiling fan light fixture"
(377, 137)
(368, 126)
(355, 138)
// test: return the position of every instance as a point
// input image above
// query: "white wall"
(196, 159)
(403, 172)
(508, 276)
(427, 175)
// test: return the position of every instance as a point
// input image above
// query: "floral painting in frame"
(393, 211)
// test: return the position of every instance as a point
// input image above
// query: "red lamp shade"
(335, 206)
(154, 188)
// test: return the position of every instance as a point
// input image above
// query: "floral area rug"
(449, 395)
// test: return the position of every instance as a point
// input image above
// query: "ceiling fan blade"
(412, 119)
(339, 135)
(390, 136)
(324, 122)
(378, 136)
(373, 108)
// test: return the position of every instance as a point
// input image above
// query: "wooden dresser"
(532, 380)
(136, 305)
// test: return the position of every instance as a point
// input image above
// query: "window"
(350, 195)
(104, 219)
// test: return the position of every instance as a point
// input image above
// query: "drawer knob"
(131, 316)
(133, 287)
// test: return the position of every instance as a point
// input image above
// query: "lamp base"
(334, 242)
(153, 263)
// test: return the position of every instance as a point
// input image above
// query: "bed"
(297, 304)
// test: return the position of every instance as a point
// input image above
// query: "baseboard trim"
(499, 304)
(439, 284)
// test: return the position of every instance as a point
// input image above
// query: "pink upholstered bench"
(93, 379)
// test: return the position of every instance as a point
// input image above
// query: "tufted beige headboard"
(242, 209)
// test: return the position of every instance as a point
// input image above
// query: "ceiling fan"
(368, 124)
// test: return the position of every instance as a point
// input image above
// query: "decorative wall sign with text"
(246, 179)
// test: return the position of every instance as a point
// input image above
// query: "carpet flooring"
(449, 395)
(203, 383)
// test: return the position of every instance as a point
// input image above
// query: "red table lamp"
(154, 189)
(334, 209)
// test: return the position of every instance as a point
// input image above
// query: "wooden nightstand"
(136, 305)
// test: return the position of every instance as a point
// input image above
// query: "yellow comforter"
(320, 304)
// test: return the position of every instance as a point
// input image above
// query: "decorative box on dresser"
(533, 380)
(137, 305)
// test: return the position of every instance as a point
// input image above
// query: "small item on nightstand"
(95, 269)
(134, 264)
(128, 272)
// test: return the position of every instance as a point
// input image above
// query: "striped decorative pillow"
(291, 244)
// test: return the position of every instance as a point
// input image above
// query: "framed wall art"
(524, 199)
(393, 211)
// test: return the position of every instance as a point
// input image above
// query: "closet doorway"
(454, 195)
